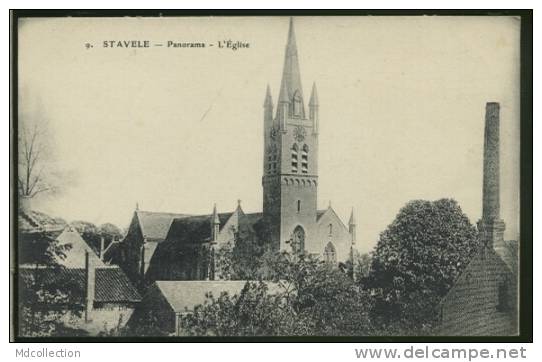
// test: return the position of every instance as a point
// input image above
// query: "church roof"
(194, 229)
(197, 229)
(155, 225)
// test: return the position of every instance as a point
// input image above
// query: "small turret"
(313, 109)
(268, 103)
(352, 227)
(215, 224)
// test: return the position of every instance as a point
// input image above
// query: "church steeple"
(290, 177)
(291, 91)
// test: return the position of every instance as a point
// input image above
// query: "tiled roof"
(155, 225)
(185, 295)
(112, 285)
(34, 221)
(485, 259)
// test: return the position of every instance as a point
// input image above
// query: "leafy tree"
(241, 258)
(416, 261)
(110, 231)
(312, 299)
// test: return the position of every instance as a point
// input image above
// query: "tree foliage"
(416, 261)
(93, 234)
(308, 297)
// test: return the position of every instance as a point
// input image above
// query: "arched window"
(294, 158)
(330, 255)
(298, 240)
(305, 159)
(297, 104)
(298, 206)
(330, 229)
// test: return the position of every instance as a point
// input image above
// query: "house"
(484, 299)
(165, 302)
(101, 297)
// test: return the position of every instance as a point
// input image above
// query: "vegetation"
(416, 261)
(304, 297)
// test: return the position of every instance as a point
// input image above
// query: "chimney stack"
(491, 227)
(90, 279)
(102, 248)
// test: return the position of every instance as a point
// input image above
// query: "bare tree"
(32, 155)
(38, 173)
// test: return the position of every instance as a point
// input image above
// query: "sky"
(402, 102)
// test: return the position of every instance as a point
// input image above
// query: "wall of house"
(103, 319)
(153, 315)
(483, 302)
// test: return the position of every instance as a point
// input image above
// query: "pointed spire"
(215, 220)
(291, 76)
(313, 102)
(268, 103)
(352, 220)
(137, 206)
(239, 204)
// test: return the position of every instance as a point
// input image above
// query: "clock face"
(299, 133)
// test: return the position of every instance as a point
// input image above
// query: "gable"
(330, 216)
(75, 256)
(155, 225)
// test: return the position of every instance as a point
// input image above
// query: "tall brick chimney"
(491, 227)
(90, 284)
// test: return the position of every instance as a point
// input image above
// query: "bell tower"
(290, 175)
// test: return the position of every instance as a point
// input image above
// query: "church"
(166, 246)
